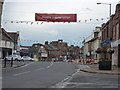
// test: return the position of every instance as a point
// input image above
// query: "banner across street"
(55, 17)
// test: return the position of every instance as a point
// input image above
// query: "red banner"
(55, 17)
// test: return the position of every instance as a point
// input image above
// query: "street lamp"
(107, 4)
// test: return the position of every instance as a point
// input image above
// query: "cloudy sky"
(24, 10)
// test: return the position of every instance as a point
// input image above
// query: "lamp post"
(107, 4)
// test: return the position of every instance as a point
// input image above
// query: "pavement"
(94, 68)
(16, 64)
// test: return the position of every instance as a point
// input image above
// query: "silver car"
(14, 56)
(27, 58)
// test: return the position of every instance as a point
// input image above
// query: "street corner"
(92, 70)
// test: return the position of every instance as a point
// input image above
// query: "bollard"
(12, 62)
(5, 62)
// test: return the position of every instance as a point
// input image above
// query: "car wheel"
(16, 59)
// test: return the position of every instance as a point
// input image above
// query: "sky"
(73, 33)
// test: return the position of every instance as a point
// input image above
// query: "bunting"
(37, 22)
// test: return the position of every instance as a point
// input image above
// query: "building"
(53, 51)
(82, 52)
(6, 44)
(91, 44)
(24, 51)
(38, 51)
(115, 43)
(56, 49)
(16, 38)
(1, 7)
(111, 37)
(73, 52)
(9, 43)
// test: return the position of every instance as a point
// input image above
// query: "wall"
(1, 5)
(85, 50)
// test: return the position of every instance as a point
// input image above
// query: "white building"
(8, 43)
(91, 44)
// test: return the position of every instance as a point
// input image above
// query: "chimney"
(60, 40)
(46, 42)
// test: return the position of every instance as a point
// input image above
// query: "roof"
(6, 36)
(51, 47)
(25, 46)
(14, 35)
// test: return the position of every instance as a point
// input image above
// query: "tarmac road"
(37, 75)
(56, 75)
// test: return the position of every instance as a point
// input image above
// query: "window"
(114, 33)
(107, 32)
(10, 44)
(117, 31)
(5, 43)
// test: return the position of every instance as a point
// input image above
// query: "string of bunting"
(41, 22)
(72, 42)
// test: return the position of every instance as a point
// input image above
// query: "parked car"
(14, 56)
(27, 58)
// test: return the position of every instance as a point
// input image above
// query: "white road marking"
(64, 82)
(90, 84)
(50, 65)
(24, 65)
(22, 73)
(39, 69)
(0, 77)
(45, 67)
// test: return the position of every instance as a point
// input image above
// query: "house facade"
(56, 49)
(73, 52)
(16, 38)
(115, 43)
(38, 51)
(91, 43)
(6, 44)
(111, 37)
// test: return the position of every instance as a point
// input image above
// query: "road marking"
(24, 65)
(91, 84)
(64, 82)
(45, 67)
(39, 69)
(0, 77)
(22, 73)
(50, 65)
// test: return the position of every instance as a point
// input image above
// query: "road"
(37, 75)
(55, 75)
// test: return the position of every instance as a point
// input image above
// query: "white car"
(26, 58)
(14, 56)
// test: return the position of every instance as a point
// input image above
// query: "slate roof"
(6, 36)
(51, 47)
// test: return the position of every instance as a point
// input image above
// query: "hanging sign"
(55, 17)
